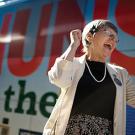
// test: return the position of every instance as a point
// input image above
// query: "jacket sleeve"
(61, 74)
(130, 90)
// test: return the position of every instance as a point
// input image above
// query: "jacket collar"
(114, 73)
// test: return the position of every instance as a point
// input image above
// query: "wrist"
(74, 46)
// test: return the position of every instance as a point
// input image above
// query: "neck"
(94, 57)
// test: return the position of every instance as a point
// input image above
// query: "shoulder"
(115, 66)
(118, 68)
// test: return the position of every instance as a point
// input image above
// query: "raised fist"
(75, 37)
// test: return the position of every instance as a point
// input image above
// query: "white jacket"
(66, 74)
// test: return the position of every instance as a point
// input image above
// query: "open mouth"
(108, 46)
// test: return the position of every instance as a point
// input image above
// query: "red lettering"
(124, 61)
(101, 9)
(17, 65)
(125, 19)
(3, 34)
(66, 20)
(125, 15)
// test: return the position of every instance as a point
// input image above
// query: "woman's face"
(104, 42)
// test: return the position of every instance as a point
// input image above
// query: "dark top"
(93, 98)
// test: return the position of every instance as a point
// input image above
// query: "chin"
(106, 56)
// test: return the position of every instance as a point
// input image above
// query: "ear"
(89, 37)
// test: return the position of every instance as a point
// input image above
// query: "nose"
(114, 38)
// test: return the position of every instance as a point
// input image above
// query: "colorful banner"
(32, 35)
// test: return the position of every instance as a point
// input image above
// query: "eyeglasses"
(110, 35)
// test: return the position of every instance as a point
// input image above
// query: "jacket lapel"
(118, 108)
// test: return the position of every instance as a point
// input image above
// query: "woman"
(94, 93)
